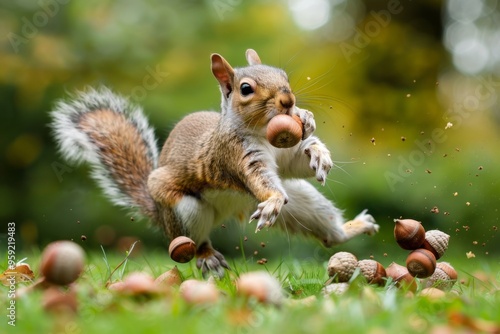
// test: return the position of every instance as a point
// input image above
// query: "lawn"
(473, 304)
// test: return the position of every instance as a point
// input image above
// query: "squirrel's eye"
(246, 89)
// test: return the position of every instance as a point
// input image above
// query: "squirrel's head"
(254, 93)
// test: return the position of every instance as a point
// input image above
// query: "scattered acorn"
(169, 278)
(284, 131)
(261, 286)
(118, 286)
(443, 277)
(343, 265)
(409, 233)
(136, 283)
(335, 288)
(198, 292)
(401, 276)
(57, 301)
(182, 249)
(373, 271)
(421, 263)
(62, 262)
(432, 293)
(437, 242)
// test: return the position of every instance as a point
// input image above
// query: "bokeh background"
(405, 93)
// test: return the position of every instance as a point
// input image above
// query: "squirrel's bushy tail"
(113, 136)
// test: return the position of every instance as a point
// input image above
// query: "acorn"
(182, 249)
(432, 293)
(169, 278)
(62, 262)
(57, 301)
(443, 277)
(284, 131)
(437, 242)
(198, 292)
(343, 265)
(421, 263)
(135, 283)
(261, 286)
(373, 271)
(409, 233)
(335, 288)
(401, 276)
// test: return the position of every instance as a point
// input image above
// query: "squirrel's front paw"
(307, 119)
(267, 212)
(320, 160)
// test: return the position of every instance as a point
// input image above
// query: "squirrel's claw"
(212, 261)
(307, 119)
(320, 160)
(255, 215)
(261, 225)
(267, 212)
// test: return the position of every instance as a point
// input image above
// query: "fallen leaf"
(21, 273)
(475, 324)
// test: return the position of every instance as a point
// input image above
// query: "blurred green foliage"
(377, 105)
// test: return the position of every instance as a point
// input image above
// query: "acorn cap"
(437, 242)
(443, 278)
(343, 265)
(373, 271)
(335, 288)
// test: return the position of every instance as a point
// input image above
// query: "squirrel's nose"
(286, 101)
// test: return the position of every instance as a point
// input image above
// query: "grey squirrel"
(213, 166)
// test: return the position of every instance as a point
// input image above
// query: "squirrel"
(213, 166)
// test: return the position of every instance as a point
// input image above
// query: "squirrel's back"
(113, 136)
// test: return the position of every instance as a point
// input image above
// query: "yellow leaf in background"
(21, 273)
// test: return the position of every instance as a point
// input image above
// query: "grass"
(472, 306)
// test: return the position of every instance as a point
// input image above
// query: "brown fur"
(213, 166)
(124, 154)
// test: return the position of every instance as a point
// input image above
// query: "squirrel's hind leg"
(309, 212)
(362, 223)
(198, 218)
(186, 215)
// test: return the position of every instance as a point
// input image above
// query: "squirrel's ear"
(252, 57)
(223, 72)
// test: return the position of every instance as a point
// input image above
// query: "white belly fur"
(228, 204)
